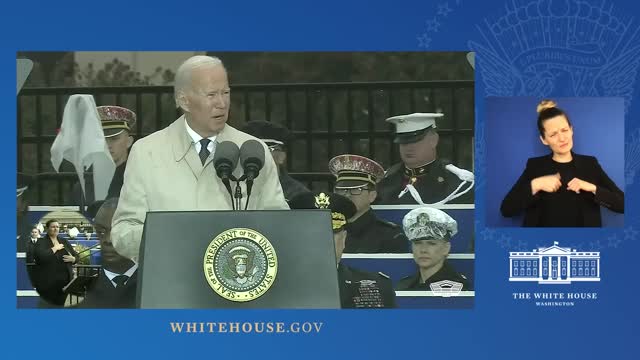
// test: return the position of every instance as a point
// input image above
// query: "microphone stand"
(227, 184)
(238, 194)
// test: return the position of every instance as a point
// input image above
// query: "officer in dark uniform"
(276, 137)
(356, 178)
(422, 178)
(116, 284)
(430, 231)
(358, 289)
(117, 125)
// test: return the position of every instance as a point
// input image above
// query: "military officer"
(117, 125)
(430, 231)
(277, 137)
(356, 178)
(358, 289)
(422, 178)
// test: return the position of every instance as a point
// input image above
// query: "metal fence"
(326, 119)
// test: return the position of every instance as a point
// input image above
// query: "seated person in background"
(357, 177)
(422, 177)
(358, 289)
(277, 137)
(430, 231)
(116, 283)
(31, 246)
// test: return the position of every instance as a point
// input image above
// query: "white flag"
(24, 67)
(81, 141)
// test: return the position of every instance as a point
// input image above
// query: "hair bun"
(544, 105)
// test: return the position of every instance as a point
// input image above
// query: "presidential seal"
(240, 264)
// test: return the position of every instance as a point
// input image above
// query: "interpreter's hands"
(578, 185)
(548, 183)
(57, 247)
(68, 258)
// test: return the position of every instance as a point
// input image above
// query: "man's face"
(103, 230)
(419, 153)
(361, 197)
(207, 100)
(119, 147)
(428, 253)
(35, 233)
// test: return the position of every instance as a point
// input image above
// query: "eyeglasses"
(353, 191)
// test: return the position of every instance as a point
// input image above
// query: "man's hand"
(549, 183)
(68, 258)
(578, 185)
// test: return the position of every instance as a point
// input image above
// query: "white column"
(568, 267)
(539, 267)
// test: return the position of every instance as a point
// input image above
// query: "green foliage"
(117, 73)
(85, 257)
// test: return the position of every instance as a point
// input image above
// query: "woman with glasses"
(562, 189)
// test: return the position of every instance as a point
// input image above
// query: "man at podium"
(358, 289)
(173, 169)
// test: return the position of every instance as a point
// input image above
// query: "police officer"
(117, 125)
(358, 289)
(422, 178)
(430, 231)
(356, 178)
(277, 137)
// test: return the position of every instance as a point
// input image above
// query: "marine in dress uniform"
(422, 178)
(277, 137)
(358, 289)
(356, 179)
(430, 231)
(117, 125)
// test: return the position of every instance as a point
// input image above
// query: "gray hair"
(183, 74)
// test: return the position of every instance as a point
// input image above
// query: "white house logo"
(554, 265)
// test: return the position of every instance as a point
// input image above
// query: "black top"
(563, 208)
(104, 295)
(370, 234)
(433, 182)
(51, 272)
(446, 272)
(360, 289)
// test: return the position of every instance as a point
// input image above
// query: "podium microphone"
(225, 160)
(252, 160)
